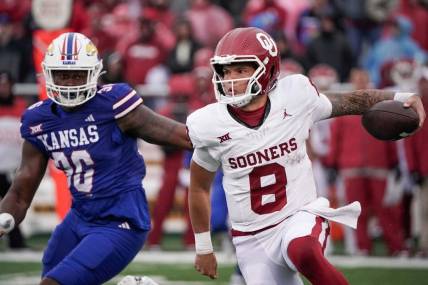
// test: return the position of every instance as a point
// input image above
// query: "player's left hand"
(415, 103)
(206, 264)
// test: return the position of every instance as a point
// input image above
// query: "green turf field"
(23, 273)
(181, 272)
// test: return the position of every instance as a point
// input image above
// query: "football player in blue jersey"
(90, 132)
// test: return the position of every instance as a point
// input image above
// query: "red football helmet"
(250, 45)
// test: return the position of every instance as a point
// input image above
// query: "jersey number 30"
(276, 189)
(78, 168)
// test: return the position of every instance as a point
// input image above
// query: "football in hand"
(389, 120)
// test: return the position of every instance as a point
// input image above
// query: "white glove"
(7, 222)
(137, 280)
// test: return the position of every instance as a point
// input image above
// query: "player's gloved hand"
(206, 264)
(7, 222)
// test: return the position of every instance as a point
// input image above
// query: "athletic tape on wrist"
(203, 244)
(403, 96)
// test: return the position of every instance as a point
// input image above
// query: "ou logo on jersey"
(267, 43)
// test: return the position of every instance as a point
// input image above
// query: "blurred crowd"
(339, 44)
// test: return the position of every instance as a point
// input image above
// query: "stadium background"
(162, 48)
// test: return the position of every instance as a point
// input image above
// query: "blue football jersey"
(102, 164)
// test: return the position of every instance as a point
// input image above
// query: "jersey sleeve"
(124, 99)
(200, 136)
(316, 103)
(31, 126)
(203, 158)
(323, 108)
(192, 131)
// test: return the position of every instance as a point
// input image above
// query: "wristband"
(403, 96)
(203, 243)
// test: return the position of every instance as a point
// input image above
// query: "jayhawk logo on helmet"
(91, 49)
(50, 50)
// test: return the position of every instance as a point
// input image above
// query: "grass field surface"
(179, 270)
(174, 267)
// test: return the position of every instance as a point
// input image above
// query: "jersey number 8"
(276, 189)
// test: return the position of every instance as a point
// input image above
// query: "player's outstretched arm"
(199, 208)
(142, 122)
(358, 101)
(25, 184)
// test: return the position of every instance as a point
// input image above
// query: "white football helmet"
(71, 51)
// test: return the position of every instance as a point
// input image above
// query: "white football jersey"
(267, 172)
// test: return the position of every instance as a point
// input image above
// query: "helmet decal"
(267, 43)
(70, 50)
(50, 50)
(91, 49)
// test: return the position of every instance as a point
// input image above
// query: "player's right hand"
(206, 264)
(7, 222)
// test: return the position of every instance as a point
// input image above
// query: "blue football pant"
(79, 252)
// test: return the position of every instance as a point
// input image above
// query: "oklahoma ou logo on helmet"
(267, 43)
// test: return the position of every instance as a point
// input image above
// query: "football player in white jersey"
(256, 133)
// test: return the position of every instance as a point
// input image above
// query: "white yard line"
(147, 257)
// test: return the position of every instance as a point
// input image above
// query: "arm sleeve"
(203, 158)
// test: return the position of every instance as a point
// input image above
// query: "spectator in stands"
(209, 22)
(114, 68)
(202, 74)
(285, 48)
(15, 56)
(180, 59)
(15, 9)
(143, 54)
(11, 109)
(160, 10)
(122, 22)
(396, 44)
(363, 21)
(97, 29)
(364, 164)
(418, 15)
(417, 155)
(330, 47)
(234, 8)
(309, 22)
(181, 89)
(290, 66)
(267, 15)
